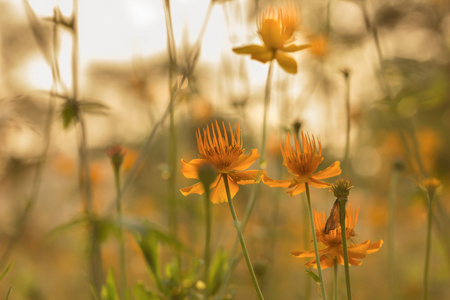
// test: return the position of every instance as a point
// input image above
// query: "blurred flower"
(276, 29)
(302, 164)
(333, 242)
(319, 45)
(431, 185)
(227, 156)
(116, 155)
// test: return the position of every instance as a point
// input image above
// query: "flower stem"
(262, 160)
(391, 243)
(342, 203)
(241, 238)
(234, 260)
(207, 252)
(347, 106)
(123, 276)
(428, 247)
(335, 275)
(316, 248)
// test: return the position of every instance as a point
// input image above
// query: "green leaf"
(7, 270)
(218, 268)
(313, 276)
(109, 291)
(9, 291)
(93, 107)
(140, 292)
(66, 226)
(69, 113)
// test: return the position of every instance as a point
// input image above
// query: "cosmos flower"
(276, 29)
(225, 153)
(303, 164)
(330, 236)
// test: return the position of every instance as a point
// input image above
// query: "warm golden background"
(398, 53)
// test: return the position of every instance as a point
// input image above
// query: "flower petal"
(286, 62)
(295, 48)
(300, 188)
(258, 52)
(276, 183)
(245, 161)
(193, 189)
(247, 177)
(219, 194)
(374, 247)
(317, 183)
(270, 33)
(190, 169)
(331, 171)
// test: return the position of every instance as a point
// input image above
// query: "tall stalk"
(346, 74)
(241, 239)
(95, 260)
(234, 257)
(391, 230)
(316, 248)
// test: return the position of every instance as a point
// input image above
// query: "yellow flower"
(227, 156)
(332, 240)
(302, 164)
(276, 29)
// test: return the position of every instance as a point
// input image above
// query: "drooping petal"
(358, 251)
(247, 177)
(193, 189)
(300, 188)
(190, 169)
(219, 194)
(257, 52)
(295, 48)
(374, 247)
(318, 183)
(286, 62)
(276, 183)
(250, 49)
(325, 262)
(245, 161)
(331, 171)
(263, 56)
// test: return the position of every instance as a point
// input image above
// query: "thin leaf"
(7, 270)
(140, 292)
(313, 276)
(93, 107)
(109, 291)
(67, 226)
(9, 291)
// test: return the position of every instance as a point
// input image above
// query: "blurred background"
(397, 55)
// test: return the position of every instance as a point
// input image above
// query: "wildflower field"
(224, 149)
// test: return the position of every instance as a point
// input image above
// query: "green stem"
(123, 276)
(172, 205)
(241, 238)
(342, 203)
(316, 248)
(428, 248)
(391, 240)
(207, 252)
(347, 106)
(262, 161)
(335, 275)
(95, 260)
(235, 258)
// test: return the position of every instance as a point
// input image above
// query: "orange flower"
(276, 29)
(333, 242)
(227, 156)
(302, 164)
